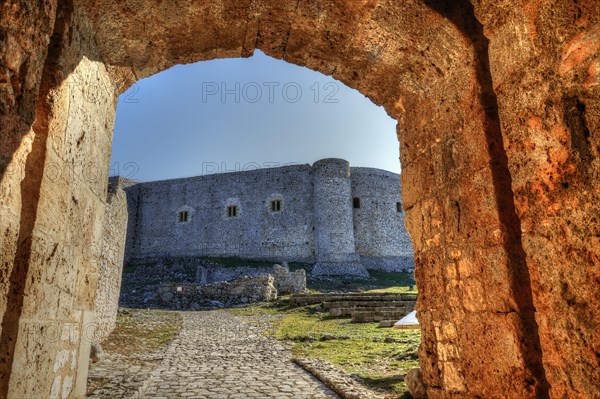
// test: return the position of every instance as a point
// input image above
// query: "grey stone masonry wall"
(256, 232)
(379, 233)
(332, 212)
(246, 289)
(131, 241)
(313, 220)
(110, 264)
(286, 282)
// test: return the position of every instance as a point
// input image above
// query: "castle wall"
(52, 202)
(381, 239)
(133, 232)
(332, 213)
(256, 232)
(110, 263)
(317, 222)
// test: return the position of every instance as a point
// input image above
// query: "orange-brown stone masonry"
(498, 110)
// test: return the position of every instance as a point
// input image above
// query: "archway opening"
(427, 62)
(190, 152)
(233, 115)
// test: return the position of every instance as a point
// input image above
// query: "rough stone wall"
(460, 214)
(256, 233)
(143, 278)
(545, 63)
(335, 250)
(489, 106)
(379, 233)
(315, 222)
(208, 274)
(110, 263)
(540, 232)
(247, 289)
(131, 246)
(23, 50)
(288, 282)
(59, 190)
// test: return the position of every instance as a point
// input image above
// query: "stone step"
(367, 304)
(355, 295)
(365, 316)
(313, 299)
(387, 323)
(347, 311)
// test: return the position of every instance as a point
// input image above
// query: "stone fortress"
(498, 111)
(344, 220)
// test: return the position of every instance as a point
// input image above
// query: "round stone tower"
(335, 251)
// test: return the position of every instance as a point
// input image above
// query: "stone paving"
(216, 356)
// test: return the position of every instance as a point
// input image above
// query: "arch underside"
(499, 130)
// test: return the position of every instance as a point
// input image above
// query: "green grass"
(380, 281)
(184, 267)
(256, 310)
(395, 290)
(376, 355)
(238, 262)
(139, 332)
(142, 331)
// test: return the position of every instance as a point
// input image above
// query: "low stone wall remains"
(244, 290)
(142, 278)
(286, 282)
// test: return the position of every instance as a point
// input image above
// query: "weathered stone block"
(287, 282)
(240, 291)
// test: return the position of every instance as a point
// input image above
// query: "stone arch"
(476, 144)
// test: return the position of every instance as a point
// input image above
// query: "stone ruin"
(286, 282)
(243, 290)
(232, 286)
(498, 111)
(345, 219)
(141, 283)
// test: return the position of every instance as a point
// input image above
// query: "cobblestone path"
(216, 356)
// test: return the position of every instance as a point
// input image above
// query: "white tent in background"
(407, 322)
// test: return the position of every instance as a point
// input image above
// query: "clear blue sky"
(181, 123)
